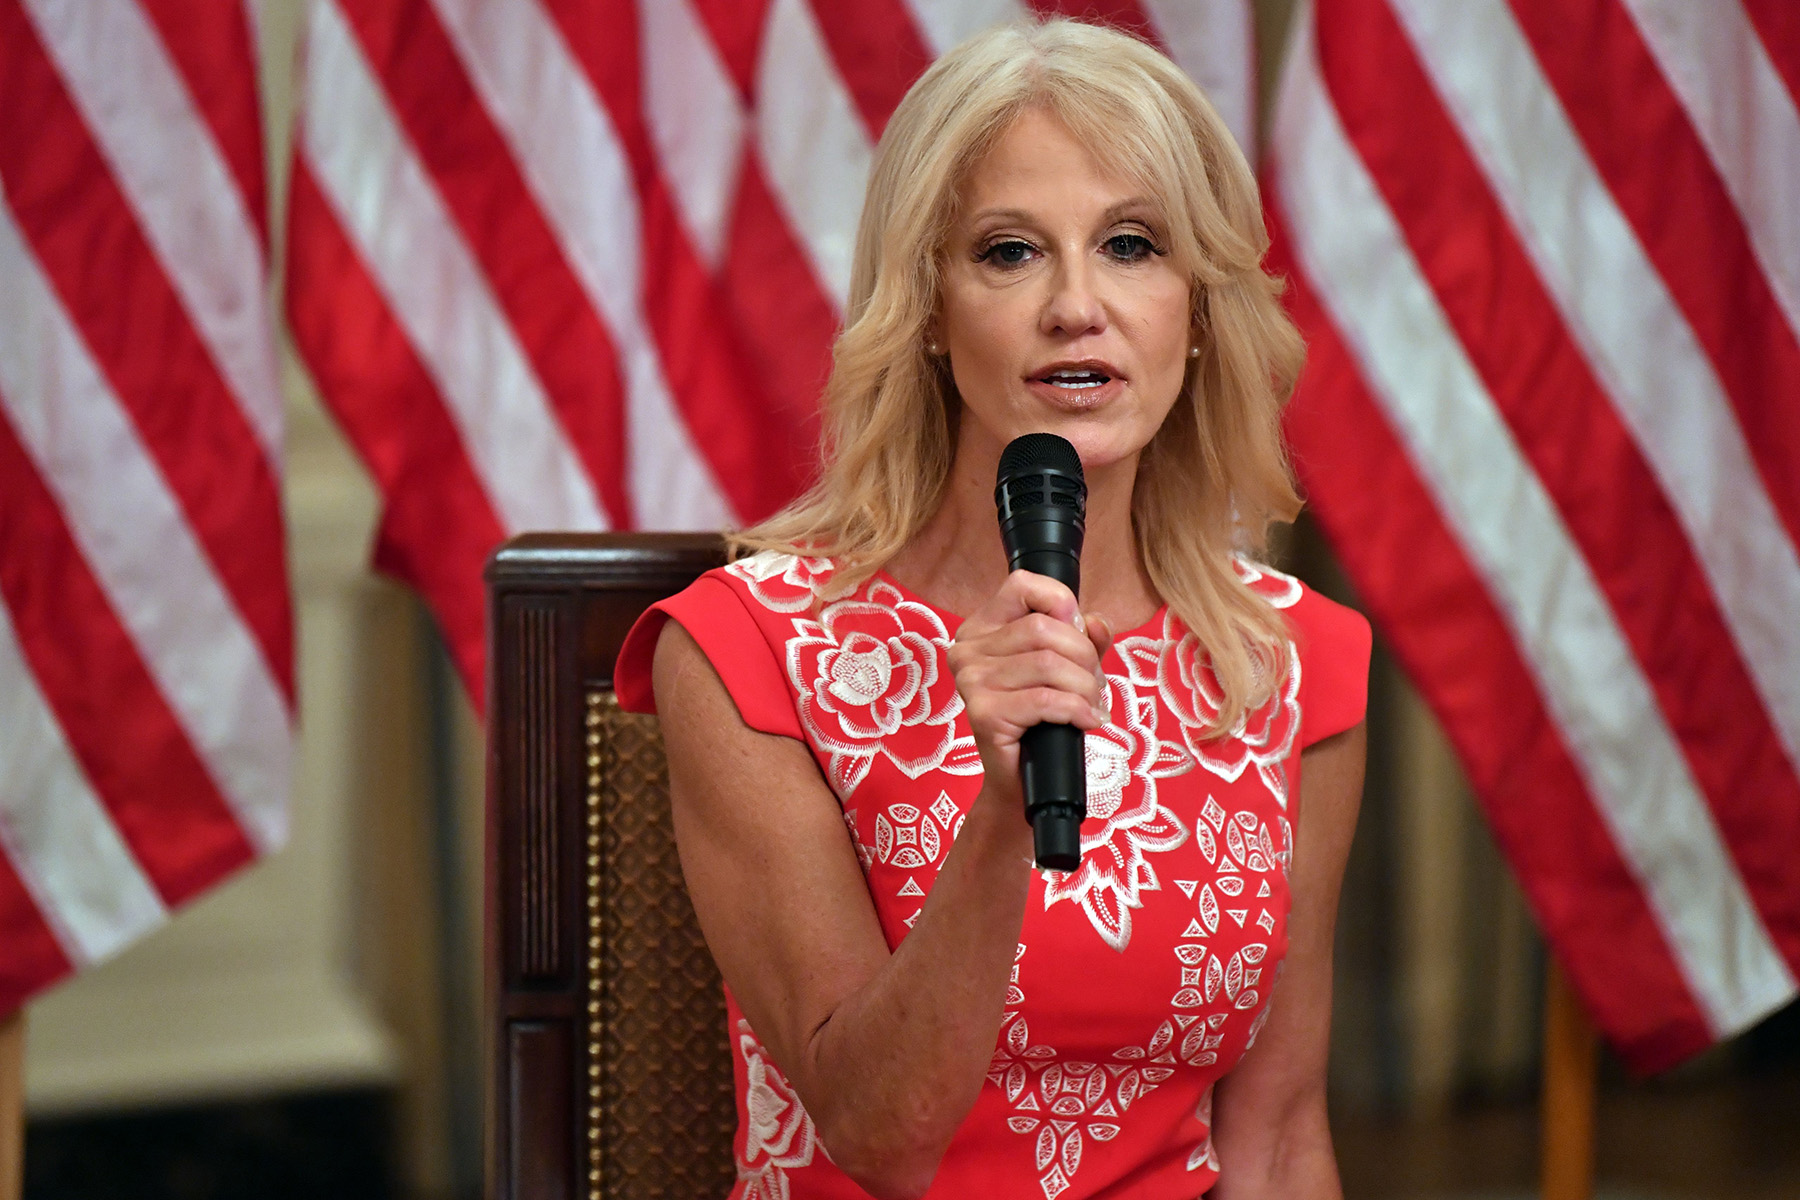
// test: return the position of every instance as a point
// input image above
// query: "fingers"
(1008, 714)
(1037, 631)
(1035, 670)
(1099, 633)
(1021, 594)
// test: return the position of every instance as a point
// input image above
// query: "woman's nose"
(1073, 307)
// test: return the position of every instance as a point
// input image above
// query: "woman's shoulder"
(737, 615)
(1319, 625)
(1331, 644)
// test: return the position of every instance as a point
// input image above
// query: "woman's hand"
(1028, 656)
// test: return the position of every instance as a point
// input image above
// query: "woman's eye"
(1008, 253)
(1130, 247)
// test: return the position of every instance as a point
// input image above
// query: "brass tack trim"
(597, 702)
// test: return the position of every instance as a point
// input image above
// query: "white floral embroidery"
(784, 583)
(870, 679)
(1281, 591)
(1125, 758)
(1061, 1102)
(779, 1135)
(1177, 668)
(1204, 1155)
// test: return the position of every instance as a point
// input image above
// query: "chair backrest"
(609, 1069)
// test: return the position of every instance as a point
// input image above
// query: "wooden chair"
(609, 1069)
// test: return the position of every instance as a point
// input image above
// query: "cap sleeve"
(713, 613)
(1334, 666)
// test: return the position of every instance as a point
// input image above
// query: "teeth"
(1076, 379)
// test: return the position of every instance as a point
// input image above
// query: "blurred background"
(312, 1027)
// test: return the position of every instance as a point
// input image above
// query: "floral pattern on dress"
(872, 678)
(1177, 668)
(1280, 590)
(1204, 1155)
(1061, 1103)
(784, 583)
(1125, 758)
(871, 682)
(779, 1135)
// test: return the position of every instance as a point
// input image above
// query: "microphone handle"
(1053, 758)
(1053, 769)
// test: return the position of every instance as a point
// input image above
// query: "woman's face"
(1062, 311)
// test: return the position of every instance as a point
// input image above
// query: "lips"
(1085, 375)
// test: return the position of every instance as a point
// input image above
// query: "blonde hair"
(1212, 478)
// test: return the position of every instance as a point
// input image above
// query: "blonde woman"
(1060, 236)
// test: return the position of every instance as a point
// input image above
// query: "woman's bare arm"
(887, 1051)
(1269, 1122)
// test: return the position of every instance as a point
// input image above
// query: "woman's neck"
(956, 562)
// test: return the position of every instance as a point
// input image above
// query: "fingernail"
(1099, 714)
(1080, 622)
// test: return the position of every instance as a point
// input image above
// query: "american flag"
(577, 264)
(1548, 263)
(146, 642)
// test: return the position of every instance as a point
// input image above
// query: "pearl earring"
(933, 349)
(1193, 352)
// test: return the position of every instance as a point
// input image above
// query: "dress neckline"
(1152, 627)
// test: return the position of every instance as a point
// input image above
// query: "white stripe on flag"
(1214, 41)
(947, 22)
(391, 210)
(60, 838)
(576, 167)
(1620, 312)
(253, 17)
(1746, 118)
(134, 536)
(186, 200)
(1359, 263)
(812, 143)
(692, 110)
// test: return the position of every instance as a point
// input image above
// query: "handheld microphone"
(1042, 501)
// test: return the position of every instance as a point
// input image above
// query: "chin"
(1099, 449)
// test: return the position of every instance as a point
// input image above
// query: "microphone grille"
(1039, 452)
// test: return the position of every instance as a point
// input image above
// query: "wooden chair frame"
(608, 1070)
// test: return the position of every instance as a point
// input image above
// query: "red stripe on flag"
(210, 42)
(745, 355)
(1573, 438)
(1778, 25)
(33, 958)
(521, 258)
(437, 524)
(131, 745)
(736, 27)
(1644, 147)
(1128, 15)
(84, 233)
(1432, 608)
(878, 51)
(786, 326)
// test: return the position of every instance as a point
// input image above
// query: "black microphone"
(1043, 515)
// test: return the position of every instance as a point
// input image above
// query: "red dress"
(1141, 977)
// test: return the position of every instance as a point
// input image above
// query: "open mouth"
(1075, 381)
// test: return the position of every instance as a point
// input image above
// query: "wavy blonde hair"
(1213, 477)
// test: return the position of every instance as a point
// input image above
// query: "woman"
(1059, 235)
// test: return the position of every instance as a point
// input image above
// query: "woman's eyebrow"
(1132, 206)
(1002, 215)
(1135, 206)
